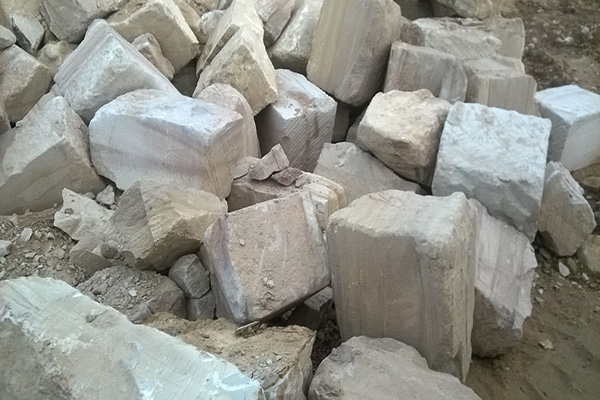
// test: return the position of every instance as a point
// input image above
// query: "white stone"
(191, 16)
(563, 270)
(47, 326)
(166, 137)
(497, 157)
(566, 218)
(163, 19)
(81, 216)
(275, 15)
(42, 156)
(575, 116)
(5, 246)
(191, 276)
(103, 67)
(9, 7)
(416, 67)
(28, 31)
(301, 120)
(7, 38)
(351, 47)
(53, 54)
(150, 48)
(208, 23)
(358, 172)
(383, 369)
(274, 161)
(107, 196)
(469, 8)
(266, 258)
(510, 31)
(403, 129)
(403, 266)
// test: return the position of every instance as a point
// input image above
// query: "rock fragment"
(28, 31)
(589, 254)
(81, 216)
(7, 38)
(150, 48)
(275, 15)
(53, 54)
(274, 161)
(5, 246)
(191, 276)
(107, 196)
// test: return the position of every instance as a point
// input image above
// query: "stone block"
(256, 276)
(274, 161)
(191, 276)
(7, 38)
(351, 47)
(166, 137)
(103, 67)
(469, 8)
(301, 120)
(575, 115)
(191, 16)
(53, 54)
(202, 308)
(589, 254)
(403, 129)
(87, 255)
(510, 31)
(28, 31)
(150, 48)
(275, 15)
(403, 266)
(497, 157)
(81, 216)
(9, 7)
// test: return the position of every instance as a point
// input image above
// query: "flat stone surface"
(81, 216)
(275, 15)
(274, 161)
(589, 254)
(53, 54)
(28, 30)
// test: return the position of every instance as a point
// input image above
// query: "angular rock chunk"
(53, 54)
(358, 172)
(566, 218)
(103, 67)
(150, 48)
(9, 7)
(23, 81)
(589, 254)
(28, 31)
(4, 120)
(497, 157)
(469, 8)
(88, 255)
(274, 161)
(420, 256)
(575, 116)
(301, 120)
(158, 222)
(7, 38)
(274, 14)
(81, 216)
(202, 308)
(403, 129)
(191, 16)
(392, 369)
(42, 156)
(415, 67)
(166, 137)
(351, 47)
(266, 258)
(510, 31)
(191, 276)
(47, 326)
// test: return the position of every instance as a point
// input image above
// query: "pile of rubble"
(253, 160)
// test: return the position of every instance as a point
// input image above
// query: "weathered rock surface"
(4, 120)
(107, 196)
(274, 161)
(166, 137)
(301, 120)
(275, 15)
(385, 369)
(7, 38)
(266, 258)
(497, 157)
(92, 254)
(8, 7)
(589, 254)
(150, 48)
(423, 249)
(202, 308)
(81, 216)
(575, 115)
(358, 172)
(103, 67)
(566, 218)
(191, 276)
(351, 47)
(46, 153)
(53, 54)
(47, 329)
(510, 31)
(28, 31)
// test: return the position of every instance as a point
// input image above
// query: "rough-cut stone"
(497, 157)
(422, 250)
(22, 82)
(351, 47)
(167, 137)
(4, 120)
(266, 258)
(274, 161)
(47, 348)
(313, 311)
(503, 280)
(87, 255)
(228, 97)
(7, 38)
(469, 8)
(575, 116)
(53, 54)
(103, 67)
(191, 16)
(243, 63)
(358, 172)
(383, 369)
(202, 308)
(301, 120)
(164, 20)
(511, 32)
(292, 49)
(107, 196)
(81, 216)
(208, 23)
(415, 67)
(589, 254)
(28, 31)
(403, 129)
(150, 48)
(42, 156)
(566, 218)
(5, 246)
(9, 7)
(275, 15)
(191, 276)
(158, 222)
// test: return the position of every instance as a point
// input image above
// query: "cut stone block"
(423, 251)
(384, 369)
(497, 157)
(415, 67)
(589, 254)
(23, 81)
(403, 129)
(163, 19)
(566, 218)
(53, 54)
(243, 63)
(275, 15)
(575, 116)
(42, 156)
(166, 137)
(358, 172)
(202, 308)
(191, 276)
(265, 259)
(7, 38)
(28, 31)
(9, 7)
(103, 67)
(150, 48)
(469, 8)
(292, 49)
(158, 222)
(301, 120)
(503, 281)
(81, 216)
(351, 47)
(274, 161)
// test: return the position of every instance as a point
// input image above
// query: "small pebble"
(25, 235)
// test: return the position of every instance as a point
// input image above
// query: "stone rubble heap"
(253, 160)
